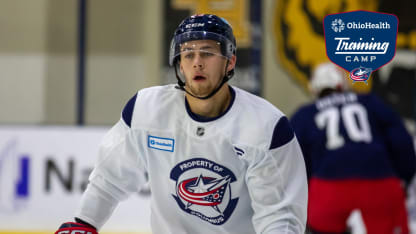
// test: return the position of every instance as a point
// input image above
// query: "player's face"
(203, 66)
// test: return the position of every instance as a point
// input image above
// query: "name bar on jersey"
(160, 143)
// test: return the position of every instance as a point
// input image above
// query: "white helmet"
(327, 75)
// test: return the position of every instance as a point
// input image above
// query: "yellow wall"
(38, 60)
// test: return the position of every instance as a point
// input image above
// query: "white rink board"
(43, 208)
(41, 204)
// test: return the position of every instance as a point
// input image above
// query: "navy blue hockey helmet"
(203, 27)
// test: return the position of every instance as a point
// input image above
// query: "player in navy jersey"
(218, 159)
(358, 155)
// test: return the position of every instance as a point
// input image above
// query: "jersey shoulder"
(149, 105)
(260, 122)
(256, 105)
(304, 112)
(372, 101)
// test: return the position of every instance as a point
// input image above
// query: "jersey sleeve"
(399, 142)
(298, 121)
(277, 184)
(118, 172)
(96, 206)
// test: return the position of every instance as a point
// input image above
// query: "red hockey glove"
(75, 228)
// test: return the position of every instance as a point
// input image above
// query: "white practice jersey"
(242, 172)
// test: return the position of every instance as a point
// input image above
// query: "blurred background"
(67, 68)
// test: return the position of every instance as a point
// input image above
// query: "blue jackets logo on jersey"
(360, 41)
(203, 189)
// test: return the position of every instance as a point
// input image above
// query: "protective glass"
(183, 43)
(189, 50)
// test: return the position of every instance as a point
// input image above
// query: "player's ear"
(231, 63)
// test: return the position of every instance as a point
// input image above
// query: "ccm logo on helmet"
(194, 25)
(74, 232)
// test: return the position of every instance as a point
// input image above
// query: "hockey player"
(218, 159)
(357, 153)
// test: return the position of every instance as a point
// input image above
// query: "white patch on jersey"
(160, 143)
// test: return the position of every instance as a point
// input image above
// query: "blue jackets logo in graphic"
(360, 41)
(360, 74)
(203, 189)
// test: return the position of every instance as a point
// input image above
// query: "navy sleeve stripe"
(282, 134)
(128, 110)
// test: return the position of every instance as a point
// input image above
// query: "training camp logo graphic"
(14, 178)
(299, 36)
(360, 41)
(203, 189)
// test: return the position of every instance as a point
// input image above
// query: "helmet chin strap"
(181, 84)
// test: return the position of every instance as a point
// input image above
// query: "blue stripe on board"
(23, 183)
